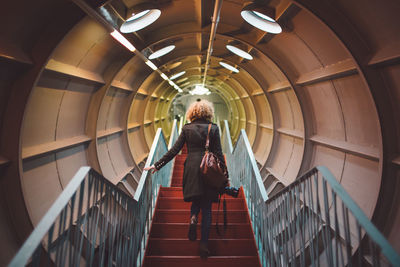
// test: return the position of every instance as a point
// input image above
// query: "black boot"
(192, 234)
(203, 250)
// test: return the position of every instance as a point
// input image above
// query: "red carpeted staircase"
(168, 244)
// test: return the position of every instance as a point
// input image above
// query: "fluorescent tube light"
(120, 38)
(151, 65)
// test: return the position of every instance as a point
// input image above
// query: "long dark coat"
(194, 134)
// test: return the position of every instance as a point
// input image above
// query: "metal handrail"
(226, 141)
(31, 244)
(172, 139)
(94, 223)
(174, 134)
(313, 221)
(181, 123)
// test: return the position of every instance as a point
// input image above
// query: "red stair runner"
(168, 244)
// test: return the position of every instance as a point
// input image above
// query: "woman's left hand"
(152, 167)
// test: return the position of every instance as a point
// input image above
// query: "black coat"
(195, 135)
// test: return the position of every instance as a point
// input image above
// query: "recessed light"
(261, 21)
(162, 52)
(239, 52)
(177, 75)
(140, 20)
(229, 67)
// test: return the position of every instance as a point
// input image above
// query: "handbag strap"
(208, 137)
(225, 215)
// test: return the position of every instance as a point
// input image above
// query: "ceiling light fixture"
(229, 67)
(200, 90)
(177, 88)
(151, 65)
(239, 52)
(173, 77)
(261, 16)
(165, 77)
(140, 20)
(162, 52)
(120, 38)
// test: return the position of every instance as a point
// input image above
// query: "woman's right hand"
(152, 167)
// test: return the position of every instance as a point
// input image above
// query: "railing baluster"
(94, 222)
(301, 223)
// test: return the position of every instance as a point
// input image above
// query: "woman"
(194, 134)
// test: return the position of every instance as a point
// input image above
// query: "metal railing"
(93, 223)
(312, 222)
(226, 141)
(172, 139)
(174, 134)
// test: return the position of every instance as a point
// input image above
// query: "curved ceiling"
(325, 91)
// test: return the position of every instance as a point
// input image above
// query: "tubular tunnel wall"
(326, 91)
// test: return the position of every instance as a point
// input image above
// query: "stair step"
(179, 193)
(166, 189)
(178, 203)
(184, 247)
(168, 244)
(180, 230)
(174, 193)
(182, 216)
(196, 261)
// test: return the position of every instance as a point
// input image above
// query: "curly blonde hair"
(200, 110)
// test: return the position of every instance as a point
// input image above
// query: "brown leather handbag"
(213, 171)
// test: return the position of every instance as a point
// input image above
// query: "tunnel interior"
(324, 91)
